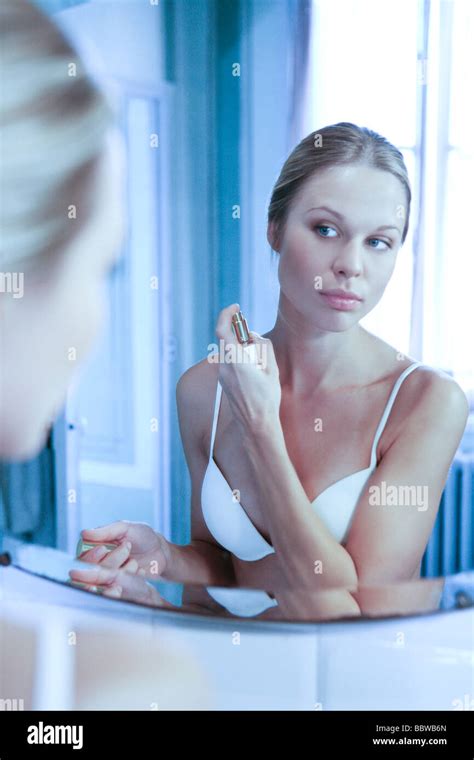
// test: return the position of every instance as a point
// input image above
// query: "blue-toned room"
(237, 364)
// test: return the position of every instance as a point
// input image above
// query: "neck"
(311, 358)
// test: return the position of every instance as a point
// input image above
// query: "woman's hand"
(251, 382)
(139, 548)
(118, 584)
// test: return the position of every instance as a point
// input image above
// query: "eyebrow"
(341, 217)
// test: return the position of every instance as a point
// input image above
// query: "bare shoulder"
(430, 402)
(427, 398)
(439, 395)
(195, 396)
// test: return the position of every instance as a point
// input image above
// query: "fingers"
(106, 557)
(94, 555)
(261, 350)
(117, 584)
(257, 337)
(113, 532)
(114, 591)
(97, 575)
(224, 323)
(224, 326)
(117, 557)
(98, 580)
(131, 566)
(270, 358)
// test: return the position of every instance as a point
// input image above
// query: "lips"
(338, 293)
(341, 300)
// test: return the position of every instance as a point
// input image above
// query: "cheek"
(379, 272)
(75, 322)
(298, 259)
(290, 272)
(81, 318)
(48, 338)
(297, 273)
(303, 247)
(87, 318)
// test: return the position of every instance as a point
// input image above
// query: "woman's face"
(47, 333)
(343, 232)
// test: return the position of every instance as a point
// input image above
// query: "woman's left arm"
(386, 541)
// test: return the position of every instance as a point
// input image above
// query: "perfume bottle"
(240, 328)
(85, 546)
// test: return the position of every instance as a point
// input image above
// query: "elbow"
(350, 570)
(384, 574)
(344, 575)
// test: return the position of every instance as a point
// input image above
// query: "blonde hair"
(53, 125)
(337, 144)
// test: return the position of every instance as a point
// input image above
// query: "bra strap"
(391, 399)
(215, 418)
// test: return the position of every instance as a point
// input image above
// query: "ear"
(272, 236)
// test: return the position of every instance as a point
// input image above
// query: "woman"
(61, 224)
(61, 221)
(301, 470)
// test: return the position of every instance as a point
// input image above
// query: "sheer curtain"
(275, 51)
(300, 38)
(447, 249)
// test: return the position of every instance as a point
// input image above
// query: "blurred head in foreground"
(61, 221)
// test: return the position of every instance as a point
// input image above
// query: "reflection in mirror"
(412, 598)
(318, 470)
(417, 597)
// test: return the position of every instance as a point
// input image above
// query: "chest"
(327, 439)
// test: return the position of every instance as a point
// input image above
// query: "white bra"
(230, 525)
(232, 528)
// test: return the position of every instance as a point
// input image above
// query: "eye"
(385, 245)
(323, 230)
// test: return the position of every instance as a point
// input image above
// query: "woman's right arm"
(202, 560)
(139, 548)
(199, 562)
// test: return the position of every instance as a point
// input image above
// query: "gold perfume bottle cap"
(240, 327)
(84, 546)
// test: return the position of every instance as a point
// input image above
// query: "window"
(405, 69)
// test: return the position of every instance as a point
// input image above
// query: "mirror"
(154, 429)
(421, 597)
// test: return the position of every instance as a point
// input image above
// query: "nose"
(348, 260)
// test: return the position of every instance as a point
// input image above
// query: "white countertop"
(412, 663)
